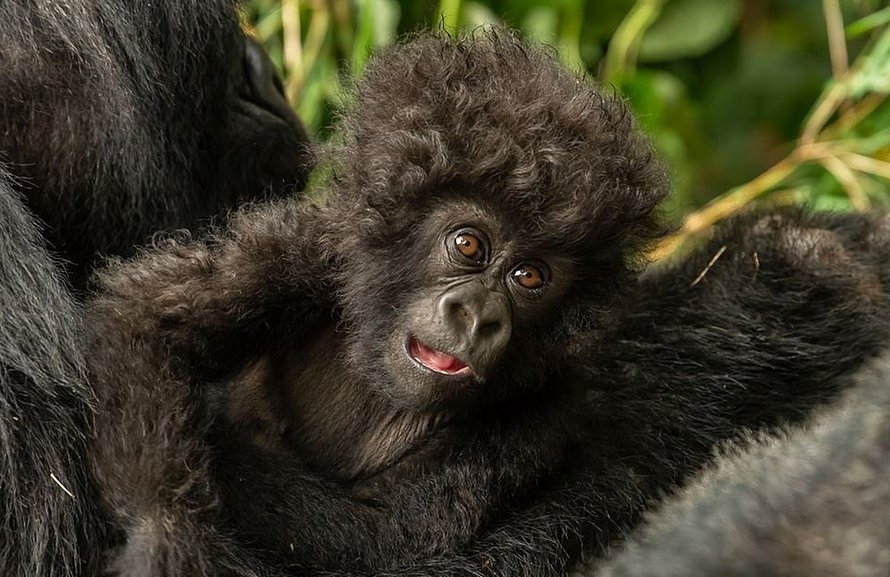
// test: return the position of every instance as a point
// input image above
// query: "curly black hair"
(492, 117)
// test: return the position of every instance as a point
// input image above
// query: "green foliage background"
(748, 101)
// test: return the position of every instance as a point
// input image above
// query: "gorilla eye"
(470, 246)
(528, 276)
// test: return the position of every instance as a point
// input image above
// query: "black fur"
(814, 502)
(49, 522)
(121, 118)
(117, 119)
(607, 400)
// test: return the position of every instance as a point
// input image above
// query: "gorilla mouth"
(436, 361)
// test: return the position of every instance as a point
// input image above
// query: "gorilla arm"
(159, 317)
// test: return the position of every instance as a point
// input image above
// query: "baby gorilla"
(448, 365)
(370, 380)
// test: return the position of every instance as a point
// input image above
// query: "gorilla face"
(483, 288)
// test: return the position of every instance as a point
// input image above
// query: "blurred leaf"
(603, 18)
(877, 191)
(590, 54)
(822, 190)
(268, 24)
(653, 95)
(343, 26)
(688, 28)
(624, 46)
(570, 33)
(321, 87)
(871, 144)
(830, 203)
(450, 11)
(386, 21)
(876, 123)
(378, 26)
(660, 102)
(869, 23)
(874, 75)
(541, 24)
(476, 14)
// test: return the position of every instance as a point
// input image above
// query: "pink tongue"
(435, 360)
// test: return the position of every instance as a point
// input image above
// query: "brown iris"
(469, 245)
(528, 276)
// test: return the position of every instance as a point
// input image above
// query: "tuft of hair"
(493, 118)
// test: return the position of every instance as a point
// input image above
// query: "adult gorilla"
(117, 119)
(120, 118)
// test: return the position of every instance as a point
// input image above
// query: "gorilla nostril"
(458, 315)
(476, 314)
(464, 314)
(489, 328)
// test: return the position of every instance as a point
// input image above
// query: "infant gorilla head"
(480, 191)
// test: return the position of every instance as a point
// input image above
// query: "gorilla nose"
(266, 117)
(478, 317)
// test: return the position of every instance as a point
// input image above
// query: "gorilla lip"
(436, 361)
